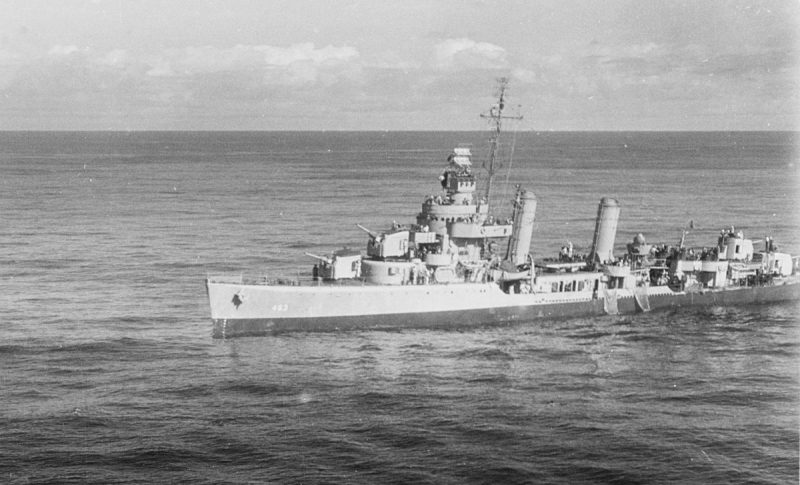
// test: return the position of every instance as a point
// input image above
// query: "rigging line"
(510, 163)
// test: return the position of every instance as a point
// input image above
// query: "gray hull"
(462, 318)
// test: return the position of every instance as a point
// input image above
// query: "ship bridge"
(458, 214)
(457, 178)
(458, 204)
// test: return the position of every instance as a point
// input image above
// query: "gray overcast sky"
(398, 65)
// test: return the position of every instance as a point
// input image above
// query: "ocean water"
(109, 374)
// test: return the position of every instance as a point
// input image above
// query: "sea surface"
(109, 374)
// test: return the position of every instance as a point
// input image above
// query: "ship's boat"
(457, 265)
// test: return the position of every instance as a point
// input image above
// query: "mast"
(495, 117)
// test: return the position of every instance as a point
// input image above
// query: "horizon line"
(796, 130)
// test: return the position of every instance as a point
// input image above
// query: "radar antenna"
(496, 117)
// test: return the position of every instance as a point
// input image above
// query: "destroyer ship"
(457, 266)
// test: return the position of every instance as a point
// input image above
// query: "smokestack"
(524, 213)
(605, 231)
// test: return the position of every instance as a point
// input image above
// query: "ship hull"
(251, 310)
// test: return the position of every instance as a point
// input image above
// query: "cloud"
(235, 84)
(198, 76)
(115, 58)
(465, 53)
(160, 68)
(663, 82)
(608, 71)
(208, 59)
(63, 50)
(523, 75)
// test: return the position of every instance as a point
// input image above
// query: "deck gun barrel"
(321, 258)
(373, 235)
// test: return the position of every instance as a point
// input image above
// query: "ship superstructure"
(459, 264)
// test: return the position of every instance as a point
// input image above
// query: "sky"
(398, 64)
